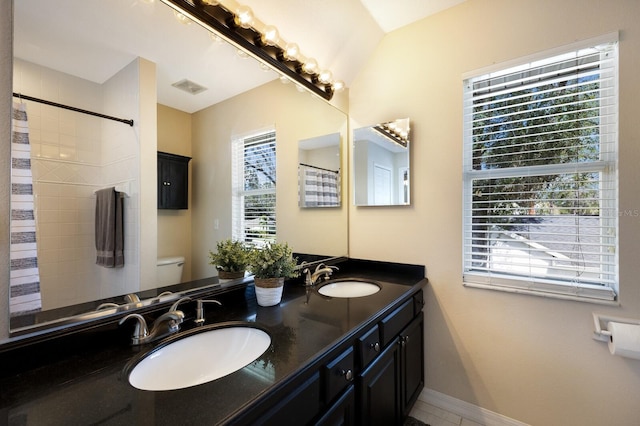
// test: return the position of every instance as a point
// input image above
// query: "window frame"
(607, 165)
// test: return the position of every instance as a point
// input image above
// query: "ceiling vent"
(189, 86)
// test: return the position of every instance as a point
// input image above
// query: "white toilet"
(169, 270)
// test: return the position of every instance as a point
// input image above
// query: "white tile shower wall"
(66, 169)
(69, 164)
(121, 160)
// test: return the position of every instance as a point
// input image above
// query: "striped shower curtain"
(319, 188)
(24, 289)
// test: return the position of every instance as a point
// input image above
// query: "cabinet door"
(173, 181)
(412, 365)
(297, 407)
(379, 389)
(342, 412)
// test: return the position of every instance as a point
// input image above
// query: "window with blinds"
(254, 189)
(540, 176)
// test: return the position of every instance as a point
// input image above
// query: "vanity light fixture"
(397, 131)
(237, 24)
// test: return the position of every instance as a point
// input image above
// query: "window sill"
(539, 293)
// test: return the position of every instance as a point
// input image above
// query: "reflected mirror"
(319, 171)
(73, 155)
(381, 160)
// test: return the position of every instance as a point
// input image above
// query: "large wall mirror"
(73, 155)
(381, 174)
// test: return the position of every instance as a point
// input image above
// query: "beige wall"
(528, 358)
(295, 116)
(174, 226)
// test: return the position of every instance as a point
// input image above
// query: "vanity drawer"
(393, 323)
(368, 346)
(338, 374)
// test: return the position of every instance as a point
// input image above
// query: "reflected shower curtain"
(24, 288)
(319, 187)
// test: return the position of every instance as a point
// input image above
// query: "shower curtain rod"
(84, 111)
(320, 168)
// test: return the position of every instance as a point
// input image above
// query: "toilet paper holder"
(601, 323)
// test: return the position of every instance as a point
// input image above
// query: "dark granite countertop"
(81, 380)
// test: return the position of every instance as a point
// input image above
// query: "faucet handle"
(169, 320)
(131, 298)
(200, 309)
(140, 332)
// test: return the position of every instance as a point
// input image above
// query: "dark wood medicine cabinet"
(173, 181)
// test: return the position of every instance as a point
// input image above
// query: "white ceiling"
(94, 39)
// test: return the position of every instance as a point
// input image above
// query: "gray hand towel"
(109, 228)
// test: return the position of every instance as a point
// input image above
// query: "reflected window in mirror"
(254, 189)
(381, 172)
(319, 171)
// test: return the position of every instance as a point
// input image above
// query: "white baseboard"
(466, 410)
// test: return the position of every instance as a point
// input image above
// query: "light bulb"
(244, 16)
(291, 51)
(242, 54)
(325, 77)
(270, 35)
(338, 85)
(310, 66)
(284, 80)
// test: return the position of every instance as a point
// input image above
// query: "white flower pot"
(271, 294)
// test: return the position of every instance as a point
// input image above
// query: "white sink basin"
(349, 289)
(199, 358)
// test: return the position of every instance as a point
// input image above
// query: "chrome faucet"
(174, 307)
(322, 272)
(165, 324)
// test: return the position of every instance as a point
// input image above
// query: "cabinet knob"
(348, 375)
(375, 346)
(403, 341)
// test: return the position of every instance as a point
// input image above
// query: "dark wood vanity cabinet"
(390, 384)
(373, 379)
(173, 181)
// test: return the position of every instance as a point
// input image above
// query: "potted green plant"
(270, 265)
(230, 259)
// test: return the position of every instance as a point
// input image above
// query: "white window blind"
(254, 189)
(540, 176)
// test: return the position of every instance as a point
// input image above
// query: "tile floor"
(434, 416)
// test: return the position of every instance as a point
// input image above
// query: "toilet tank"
(169, 270)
